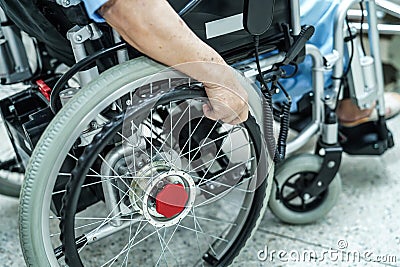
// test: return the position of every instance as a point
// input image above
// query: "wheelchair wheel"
(223, 190)
(293, 175)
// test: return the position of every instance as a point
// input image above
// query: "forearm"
(154, 28)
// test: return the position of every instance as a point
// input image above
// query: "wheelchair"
(125, 162)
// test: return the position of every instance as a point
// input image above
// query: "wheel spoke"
(201, 145)
(130, 236)
(219, 157)
(236, 187)
(303, 203)
(291, 185)
(224, 172)
(209, 142)
(215, 220)
(174, 126)
(212, 163)
(210, 200)
(127, 246)
(203, 233)
(195, 227)
(139, 189)
(197, 223)
(292, 195)
(169, 240)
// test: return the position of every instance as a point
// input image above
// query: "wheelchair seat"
(49, 22)
(233, 43)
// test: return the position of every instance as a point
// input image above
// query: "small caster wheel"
(293, 176)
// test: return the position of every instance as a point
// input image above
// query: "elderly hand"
(226, 95)
(228, 104)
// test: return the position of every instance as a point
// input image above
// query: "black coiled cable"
(279, 151)
(283, 133)
(269, 126)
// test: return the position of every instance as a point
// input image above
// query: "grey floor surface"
(365, 221)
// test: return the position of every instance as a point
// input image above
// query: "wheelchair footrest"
(364, 139)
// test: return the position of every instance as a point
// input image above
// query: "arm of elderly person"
(155, 29)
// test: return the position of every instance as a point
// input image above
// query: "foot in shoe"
(350, 115)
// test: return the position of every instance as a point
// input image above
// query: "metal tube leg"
(375, 53)
(296, 24)
(77, 36)
(318, 110)
(110, 186)
(338, 45)
(14, 63)
(122, 55)
(111, 199)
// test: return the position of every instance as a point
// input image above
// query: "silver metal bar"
(386, 29)
(13, 36)
(318, 81)
(77, 36)
(107, 230)
(296, 24)
(356, 14)
(318, 110)
(375, 53)
(3, 17)
(111, 194)
(338, 44)
(302, 138)
(389, 7)
(14, 60)
(250, 71)
(192, 4)
(122, 55)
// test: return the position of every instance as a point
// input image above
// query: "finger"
(230, 118)
(239, 119)
(209, 112)
(226, 114)
(234, 122)
(212, 114)
(244, 115)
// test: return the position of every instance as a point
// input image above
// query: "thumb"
(209, 112)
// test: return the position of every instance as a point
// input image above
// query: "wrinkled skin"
(167, 39)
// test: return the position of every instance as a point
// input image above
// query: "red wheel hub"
(171, 200)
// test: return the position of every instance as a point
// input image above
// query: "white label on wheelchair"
(224, 26)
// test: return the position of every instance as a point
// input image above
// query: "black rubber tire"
(303, 163)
